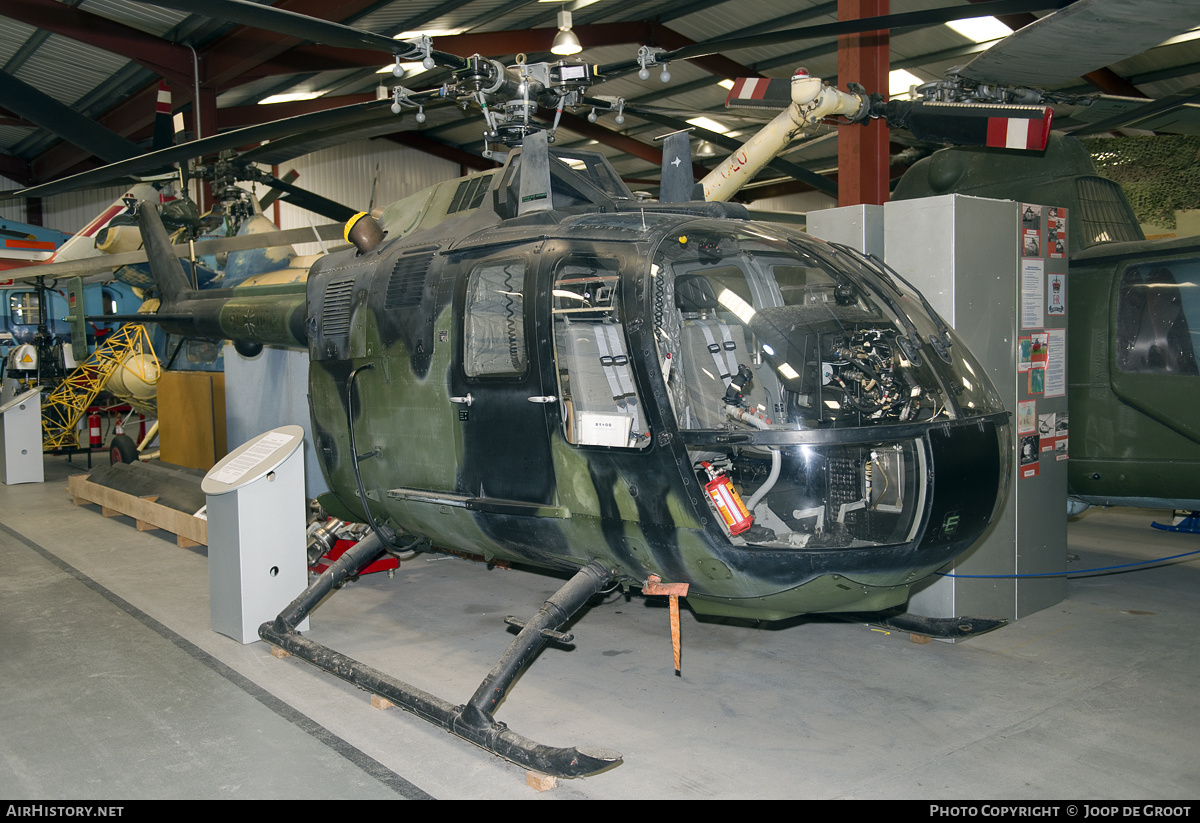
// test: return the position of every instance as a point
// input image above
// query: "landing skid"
(1189, 524)
(942, 628)
(474, 720)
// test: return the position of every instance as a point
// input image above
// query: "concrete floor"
(113, 686)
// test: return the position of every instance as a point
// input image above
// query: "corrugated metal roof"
(150, 19)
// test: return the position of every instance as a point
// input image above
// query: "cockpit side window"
(1158, 318)
(599, 399)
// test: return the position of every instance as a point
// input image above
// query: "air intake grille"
(469, 194)
(407, 281)
(1103, 217)
(335, 313)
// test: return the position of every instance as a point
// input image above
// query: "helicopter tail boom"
(251, 317)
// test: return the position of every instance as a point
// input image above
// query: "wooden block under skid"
(540, 782)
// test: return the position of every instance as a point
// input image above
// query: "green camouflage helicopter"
(533, 365)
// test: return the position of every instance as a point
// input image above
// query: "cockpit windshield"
(785, 331)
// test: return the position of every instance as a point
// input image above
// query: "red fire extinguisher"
(727, 501)
(94, 430)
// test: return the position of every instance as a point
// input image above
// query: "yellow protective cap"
(350, 224)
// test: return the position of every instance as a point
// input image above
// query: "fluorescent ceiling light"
(711, 125)
(290, 97)
(899, 81)
(726, 84)
(980, 29)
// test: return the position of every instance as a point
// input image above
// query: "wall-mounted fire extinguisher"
(727, 501)
(94, 439)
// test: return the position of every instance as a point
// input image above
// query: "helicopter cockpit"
(805, 374)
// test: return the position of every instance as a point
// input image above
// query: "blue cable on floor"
(1072, 574)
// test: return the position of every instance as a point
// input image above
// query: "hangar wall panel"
(66, 212)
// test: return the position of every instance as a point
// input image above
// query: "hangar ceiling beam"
(130, 116)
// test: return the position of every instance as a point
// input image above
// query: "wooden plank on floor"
(147, 514)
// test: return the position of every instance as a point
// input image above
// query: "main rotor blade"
(1136, 116)
(927, 17)
(43, 110)
(304, 27)
(1085, 36)
(311, 201)
(329, 118)
(287, 148)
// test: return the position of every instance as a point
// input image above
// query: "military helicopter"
(533, 365)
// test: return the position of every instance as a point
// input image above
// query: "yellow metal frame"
(64, 406)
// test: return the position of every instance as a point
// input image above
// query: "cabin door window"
(494, 320)
(599, 399)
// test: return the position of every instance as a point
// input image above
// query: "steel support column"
(863, 150)
(205, 126)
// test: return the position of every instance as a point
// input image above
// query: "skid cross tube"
(473, 721)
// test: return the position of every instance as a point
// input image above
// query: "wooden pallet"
(147, 514)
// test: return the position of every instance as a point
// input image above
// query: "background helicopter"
(1133, 314)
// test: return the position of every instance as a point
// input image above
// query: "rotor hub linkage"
(473, 721)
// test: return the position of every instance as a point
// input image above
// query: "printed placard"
(1026, 416)
(1055, 382)
(248, 460)
(1056, 233)
(1029, 455)
(1033, 278)
(1056, 296)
